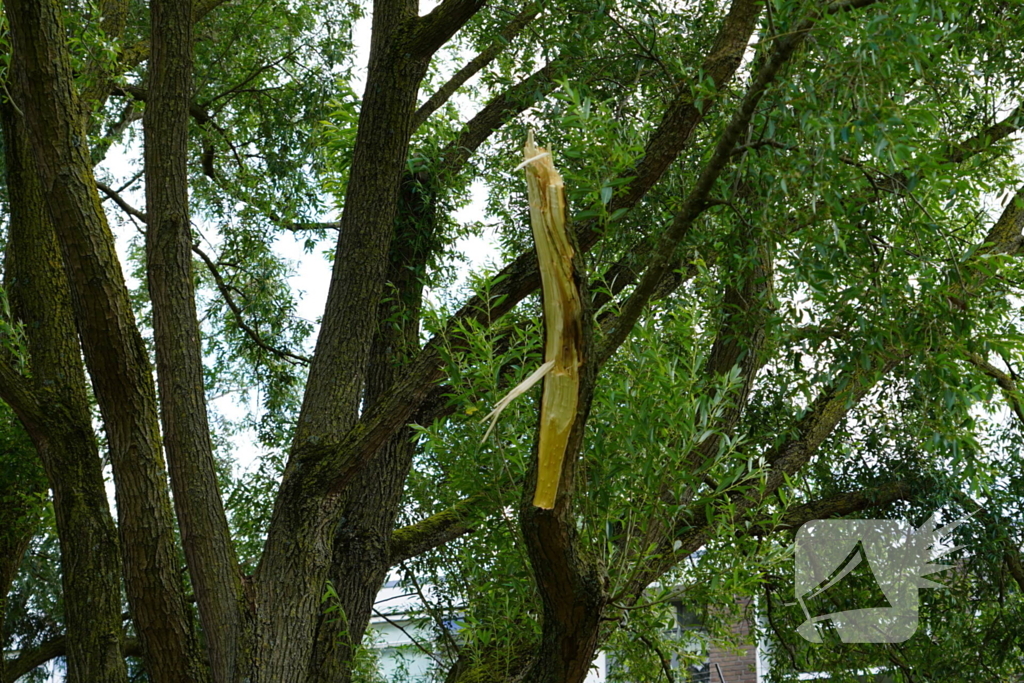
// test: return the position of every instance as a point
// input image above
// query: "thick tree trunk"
(209, 552)
(38, 287)
(369, 508)
(298, 552)
(114, 350)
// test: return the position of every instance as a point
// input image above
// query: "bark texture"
(368, 509)
(64, 439)
(299, 547)
(114, 351)
(209, 551)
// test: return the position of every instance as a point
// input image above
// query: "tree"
(797, 230)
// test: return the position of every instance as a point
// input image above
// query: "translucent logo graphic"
(861, 577)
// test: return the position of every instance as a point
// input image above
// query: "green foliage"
(35, 611)
(860, 177)
(365, 660)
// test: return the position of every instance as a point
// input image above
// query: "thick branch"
(137, 53)
(502, 108)
(570, 581)
(203, 7)
(209, 551)
(17, 392)
(433, 30)
(437, 529)
(983, 140)
(624, 272)
(1005, 235)
(291, 575)
(35, 657)
(682, 116)
(40, 299)
(842, 505)
(51, 649)
(198, 113)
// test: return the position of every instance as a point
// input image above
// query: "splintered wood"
(561, 318)
(562, 323)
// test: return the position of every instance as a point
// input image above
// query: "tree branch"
(502, 107)
(1011, 553)
(683, 115)
(475, 65)
(198, 113)
(209, 552)
(981, 141)
(253, 335)
(51, 649)
(623, 273)
(433, 30)
(302, 227)
(663, 659)
(1005, 235)
(336, 462)
(840, 505)
(222, 285)
(17, 392)
(692, 527)
(35, 657)
(437, 529)
(203, 7)
(119, 200)
(569, 578)
(1009, 386)
(663, 255)
(137, 53)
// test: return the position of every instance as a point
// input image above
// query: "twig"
(453, 646)
(666, 663)
(407, 635)
(125, 206)
(225, 291)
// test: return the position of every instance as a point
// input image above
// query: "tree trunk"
(209, 552)
(369, 508)
(114, 350)
(40, 298)
(298, 552)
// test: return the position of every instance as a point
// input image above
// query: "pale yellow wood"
(562, 318)
(518, 391)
